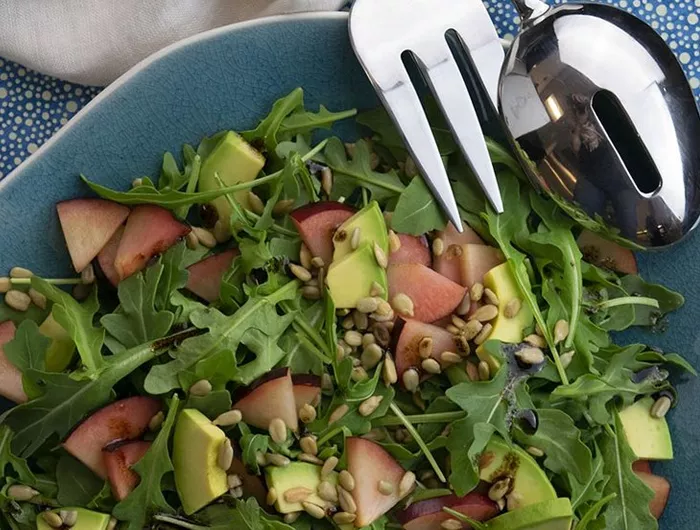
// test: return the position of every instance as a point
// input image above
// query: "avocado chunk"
(350, 278)
(61, 350)
(372, 229)
(87, 520)
(296, 475)
(647, 436)
(554, 514)
(196, 443)
(235, 161)
(530, 484)
(501, 281)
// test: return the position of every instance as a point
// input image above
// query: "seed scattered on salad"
(476, 292)
(17, 300)
(52, 519)
(561, 331)
(484, 371)
(21, 493)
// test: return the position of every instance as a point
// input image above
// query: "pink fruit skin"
(662, 489)
(274, 398)
(410, 334)
(125, 419)
(205, 276)
(150, 230)
(606, 253)
(307, 389)
(316, 224)
(413, 250)
(87, 226)
(428, 514)
(433, 295)
(10, 376)
(477, 260)
(448, 264)
(369, 463)
(107, 256)
(118, 462)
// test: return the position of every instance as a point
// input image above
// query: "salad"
(284, 333)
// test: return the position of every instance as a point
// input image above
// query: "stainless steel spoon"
(602, 117)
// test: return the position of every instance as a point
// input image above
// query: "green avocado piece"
(61, 350)
(530, 484)
(647, 436)
(196, 443)
(87, 520)
(350, 278)
(235, 161)
(500, 280)
(372, 226)
(296, 475)
(555, 514)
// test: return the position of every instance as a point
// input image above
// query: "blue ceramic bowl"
(228, 78)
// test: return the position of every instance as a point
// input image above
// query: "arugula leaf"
(137, 320)
(251, 445)
(28, 351)
(648, 316)
(77, 484)
(303, 121)
(264, 345)
(34, 313)
(245, 515)
(147, 498)
(7, 458)
(417, 212)
(214, 403)
(594, 511)
(174, 275)
(587, 489)
(77, 319)
(269, 126)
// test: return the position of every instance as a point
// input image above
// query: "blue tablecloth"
(35, 106)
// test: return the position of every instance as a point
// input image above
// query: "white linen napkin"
(92, 42)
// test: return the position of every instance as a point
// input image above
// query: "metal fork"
(382, 30)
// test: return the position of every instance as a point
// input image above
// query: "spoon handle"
(529, 10)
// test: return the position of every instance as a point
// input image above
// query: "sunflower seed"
(297, 494)
(347, 503)
(37, 298)
(5, 285)
(191, 240)
(69, 517)
(660, 407)
(346, 480)
(431, 366)
(462, 345)
(222, 232)
(561, 331)
(291, 518)
(308, 445)
(327, 181)
(458, 322)
(225, 457)
(368, 339)
(453, 329)
(371, 356)
(501, 503)
(464, 306)
(368, 304)
(326, 382)
(438, 247)
(21, 493)
(260, 458)
(52, 519)
(361, 320)
(485, 313)
(381, 334)
(20, 272)
(472, 371)
(310, 459)
(402, 304)
(472, 329)
(137, 182)
(499, 489)
(112, 524)
(205, 237)
(484, 371)
(338, 413)
(327, 492)
(425, 347)
(353, 338)
(358, 373)
(566, 358)
(87, 275)
(376, 289)
(305, 256)
(156, 421)
(491, 297)
(329, 465)
(17, 300)
(307, 413)
(314, 510)
(410, 379)
(278, 430)
(380, 256)
(512, 308)
(277, 460)
(408, 481)
(300, 272)
(536, 341)
(233, 481)
(530, 355)
(355, 238)
(344, 518)
(476, 292)
(448, 358)
(389, 371)
(483, 334)
(535, 451)
(227, 419)
(236, 493)
(311, 293)
(385, 487)
(201, 388)
(369, 405)
(451, 524)
(283, 207)
(394, 242)
(347, 322)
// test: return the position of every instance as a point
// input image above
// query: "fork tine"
(405, 107)
(452, 95)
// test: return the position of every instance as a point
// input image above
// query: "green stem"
(191, 183)
(438, 417)
(303, 325)
(465, 519)
(176, 521)
(414, 433)
(52, 281)
(628, 300)
(329, 436)
(275, 227)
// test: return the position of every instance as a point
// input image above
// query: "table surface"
(34, 106)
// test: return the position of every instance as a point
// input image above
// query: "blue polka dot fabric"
(34, 106)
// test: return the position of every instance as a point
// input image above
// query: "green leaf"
(27, 350)
(19, 466)
(417, 212)
(147, 498)
(77, 319)
(77, 484)
(649, 316)
(245, 515)
(137, 321)
(587, 489)
(173, 277)
(213, 404)
(304, 121)
(251, 445)
(267, 352)
(594, 511)
(269, 126)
